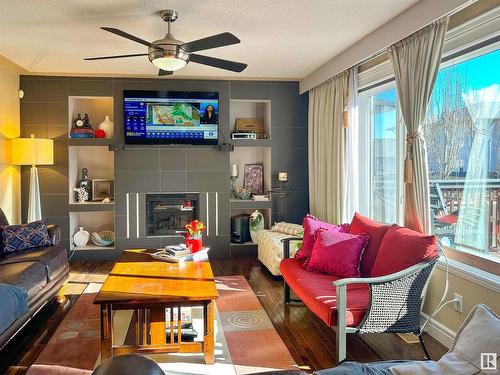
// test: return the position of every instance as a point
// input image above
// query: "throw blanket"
(14, 305)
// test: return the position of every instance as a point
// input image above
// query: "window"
(379, 122)
(462, 131)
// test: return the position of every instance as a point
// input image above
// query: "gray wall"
(138, 169)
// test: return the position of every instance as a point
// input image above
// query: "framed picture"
(102, 188)
(254, 178)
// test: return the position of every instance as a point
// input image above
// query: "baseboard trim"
(438, 330)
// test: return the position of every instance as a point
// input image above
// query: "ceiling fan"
(169, 54)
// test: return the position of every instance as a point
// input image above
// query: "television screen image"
(153, 117)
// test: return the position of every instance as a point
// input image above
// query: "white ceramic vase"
(256, 225)
(107, 126)
(81, 238)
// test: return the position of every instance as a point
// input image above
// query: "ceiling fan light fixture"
(169, 63)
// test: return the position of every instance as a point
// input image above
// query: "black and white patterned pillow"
(25, 236)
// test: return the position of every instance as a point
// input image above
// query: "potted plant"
(194, 235)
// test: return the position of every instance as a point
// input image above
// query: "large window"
(381, 129)
(462, 131)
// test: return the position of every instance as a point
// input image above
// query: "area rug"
(245, 338)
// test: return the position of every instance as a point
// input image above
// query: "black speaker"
(240, 233)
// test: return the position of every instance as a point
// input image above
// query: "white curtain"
(416, 61)
(326, 147)
(472, 226)
(351, 165)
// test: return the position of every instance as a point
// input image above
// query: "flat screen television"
(171, 117)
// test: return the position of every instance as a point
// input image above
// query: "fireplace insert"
(168, 213)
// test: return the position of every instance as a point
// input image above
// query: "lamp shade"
(32, 151)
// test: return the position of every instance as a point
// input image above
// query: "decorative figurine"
(86, 121)
(85, 183)
(81, 194)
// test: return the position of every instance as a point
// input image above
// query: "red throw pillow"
(337, 253)
(311, 225)
(403, 248)
(376, 231)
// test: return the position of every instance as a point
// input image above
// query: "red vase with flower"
(194, 241)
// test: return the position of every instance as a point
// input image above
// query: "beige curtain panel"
(416, 61)
(326, 148)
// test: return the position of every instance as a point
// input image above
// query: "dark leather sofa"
(40, 271)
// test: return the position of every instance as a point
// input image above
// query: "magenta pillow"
(311, 225)
(337, 253)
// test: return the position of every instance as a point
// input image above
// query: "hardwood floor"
(310, 341)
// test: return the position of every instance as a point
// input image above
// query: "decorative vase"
(85, 183)
(81, 238)
(107, 126)
(194, 244)
(256, 225)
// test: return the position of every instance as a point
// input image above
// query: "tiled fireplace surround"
(145, 169)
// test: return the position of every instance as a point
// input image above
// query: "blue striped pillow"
(25, 236)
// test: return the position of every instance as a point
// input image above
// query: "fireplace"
(168, 213)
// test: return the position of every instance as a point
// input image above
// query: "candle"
(282, 176)
(234, 170)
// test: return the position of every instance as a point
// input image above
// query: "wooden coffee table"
(147, 286)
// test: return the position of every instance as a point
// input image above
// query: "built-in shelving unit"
(251, 151)
(251, 108)
(93, 154)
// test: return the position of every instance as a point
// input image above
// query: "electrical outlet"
(457, 304)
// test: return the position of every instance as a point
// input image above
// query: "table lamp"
(33, 151)
(282, 178)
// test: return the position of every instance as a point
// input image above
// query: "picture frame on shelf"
(102, 188)
(254, 178)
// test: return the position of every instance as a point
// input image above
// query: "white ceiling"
(280, 39)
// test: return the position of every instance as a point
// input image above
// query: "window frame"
(366, 133)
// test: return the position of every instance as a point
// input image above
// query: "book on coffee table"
(195, 257)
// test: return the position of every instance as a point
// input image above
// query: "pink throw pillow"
(337, 253)
(311, 225)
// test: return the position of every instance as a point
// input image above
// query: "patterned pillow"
(288, 228)
(25, 236)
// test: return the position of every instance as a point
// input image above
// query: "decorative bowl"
(243, 193)
(103, 238)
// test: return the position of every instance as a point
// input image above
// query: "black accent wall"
(140, 169)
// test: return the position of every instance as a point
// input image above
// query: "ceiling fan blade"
(115, 57)
(127, 35)
(214, 41)
(164, 72)
(218, 63)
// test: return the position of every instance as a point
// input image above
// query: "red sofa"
(373, 303)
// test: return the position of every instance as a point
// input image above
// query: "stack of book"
(82, 133)
(260, 197)
(180, 253)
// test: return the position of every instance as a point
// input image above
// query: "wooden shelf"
(91, 247)
(91, 207)
(249, 243)
(241, 204)
(90, 141)
(251, 142)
